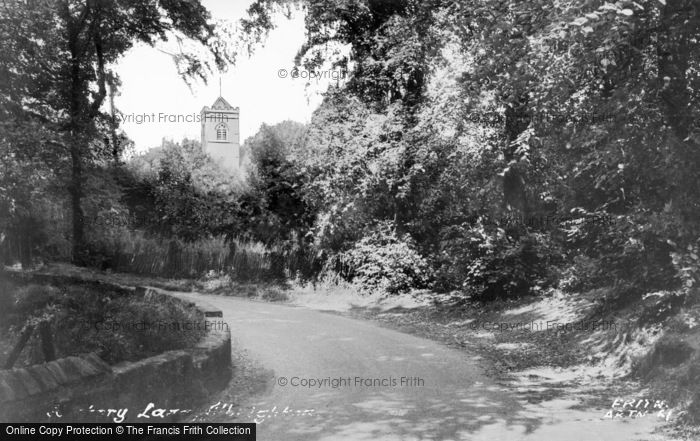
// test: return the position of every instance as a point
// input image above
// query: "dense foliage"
(494, 147)
(510, 140)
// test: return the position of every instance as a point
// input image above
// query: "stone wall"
(84, 388)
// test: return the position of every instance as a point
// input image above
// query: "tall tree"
(58, 57)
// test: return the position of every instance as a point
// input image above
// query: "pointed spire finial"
(219, 86)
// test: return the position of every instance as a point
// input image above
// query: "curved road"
(449, 398)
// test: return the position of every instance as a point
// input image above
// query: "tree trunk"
(75, 130)
(514, 188)
(76, 193)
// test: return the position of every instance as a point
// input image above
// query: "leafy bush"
(385, 261)
(582, 275)
(274, 294)
(489, 263)
(687, 265)
(631, 252)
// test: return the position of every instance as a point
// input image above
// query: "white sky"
(151, 85)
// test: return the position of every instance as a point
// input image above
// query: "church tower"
(220, 135)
